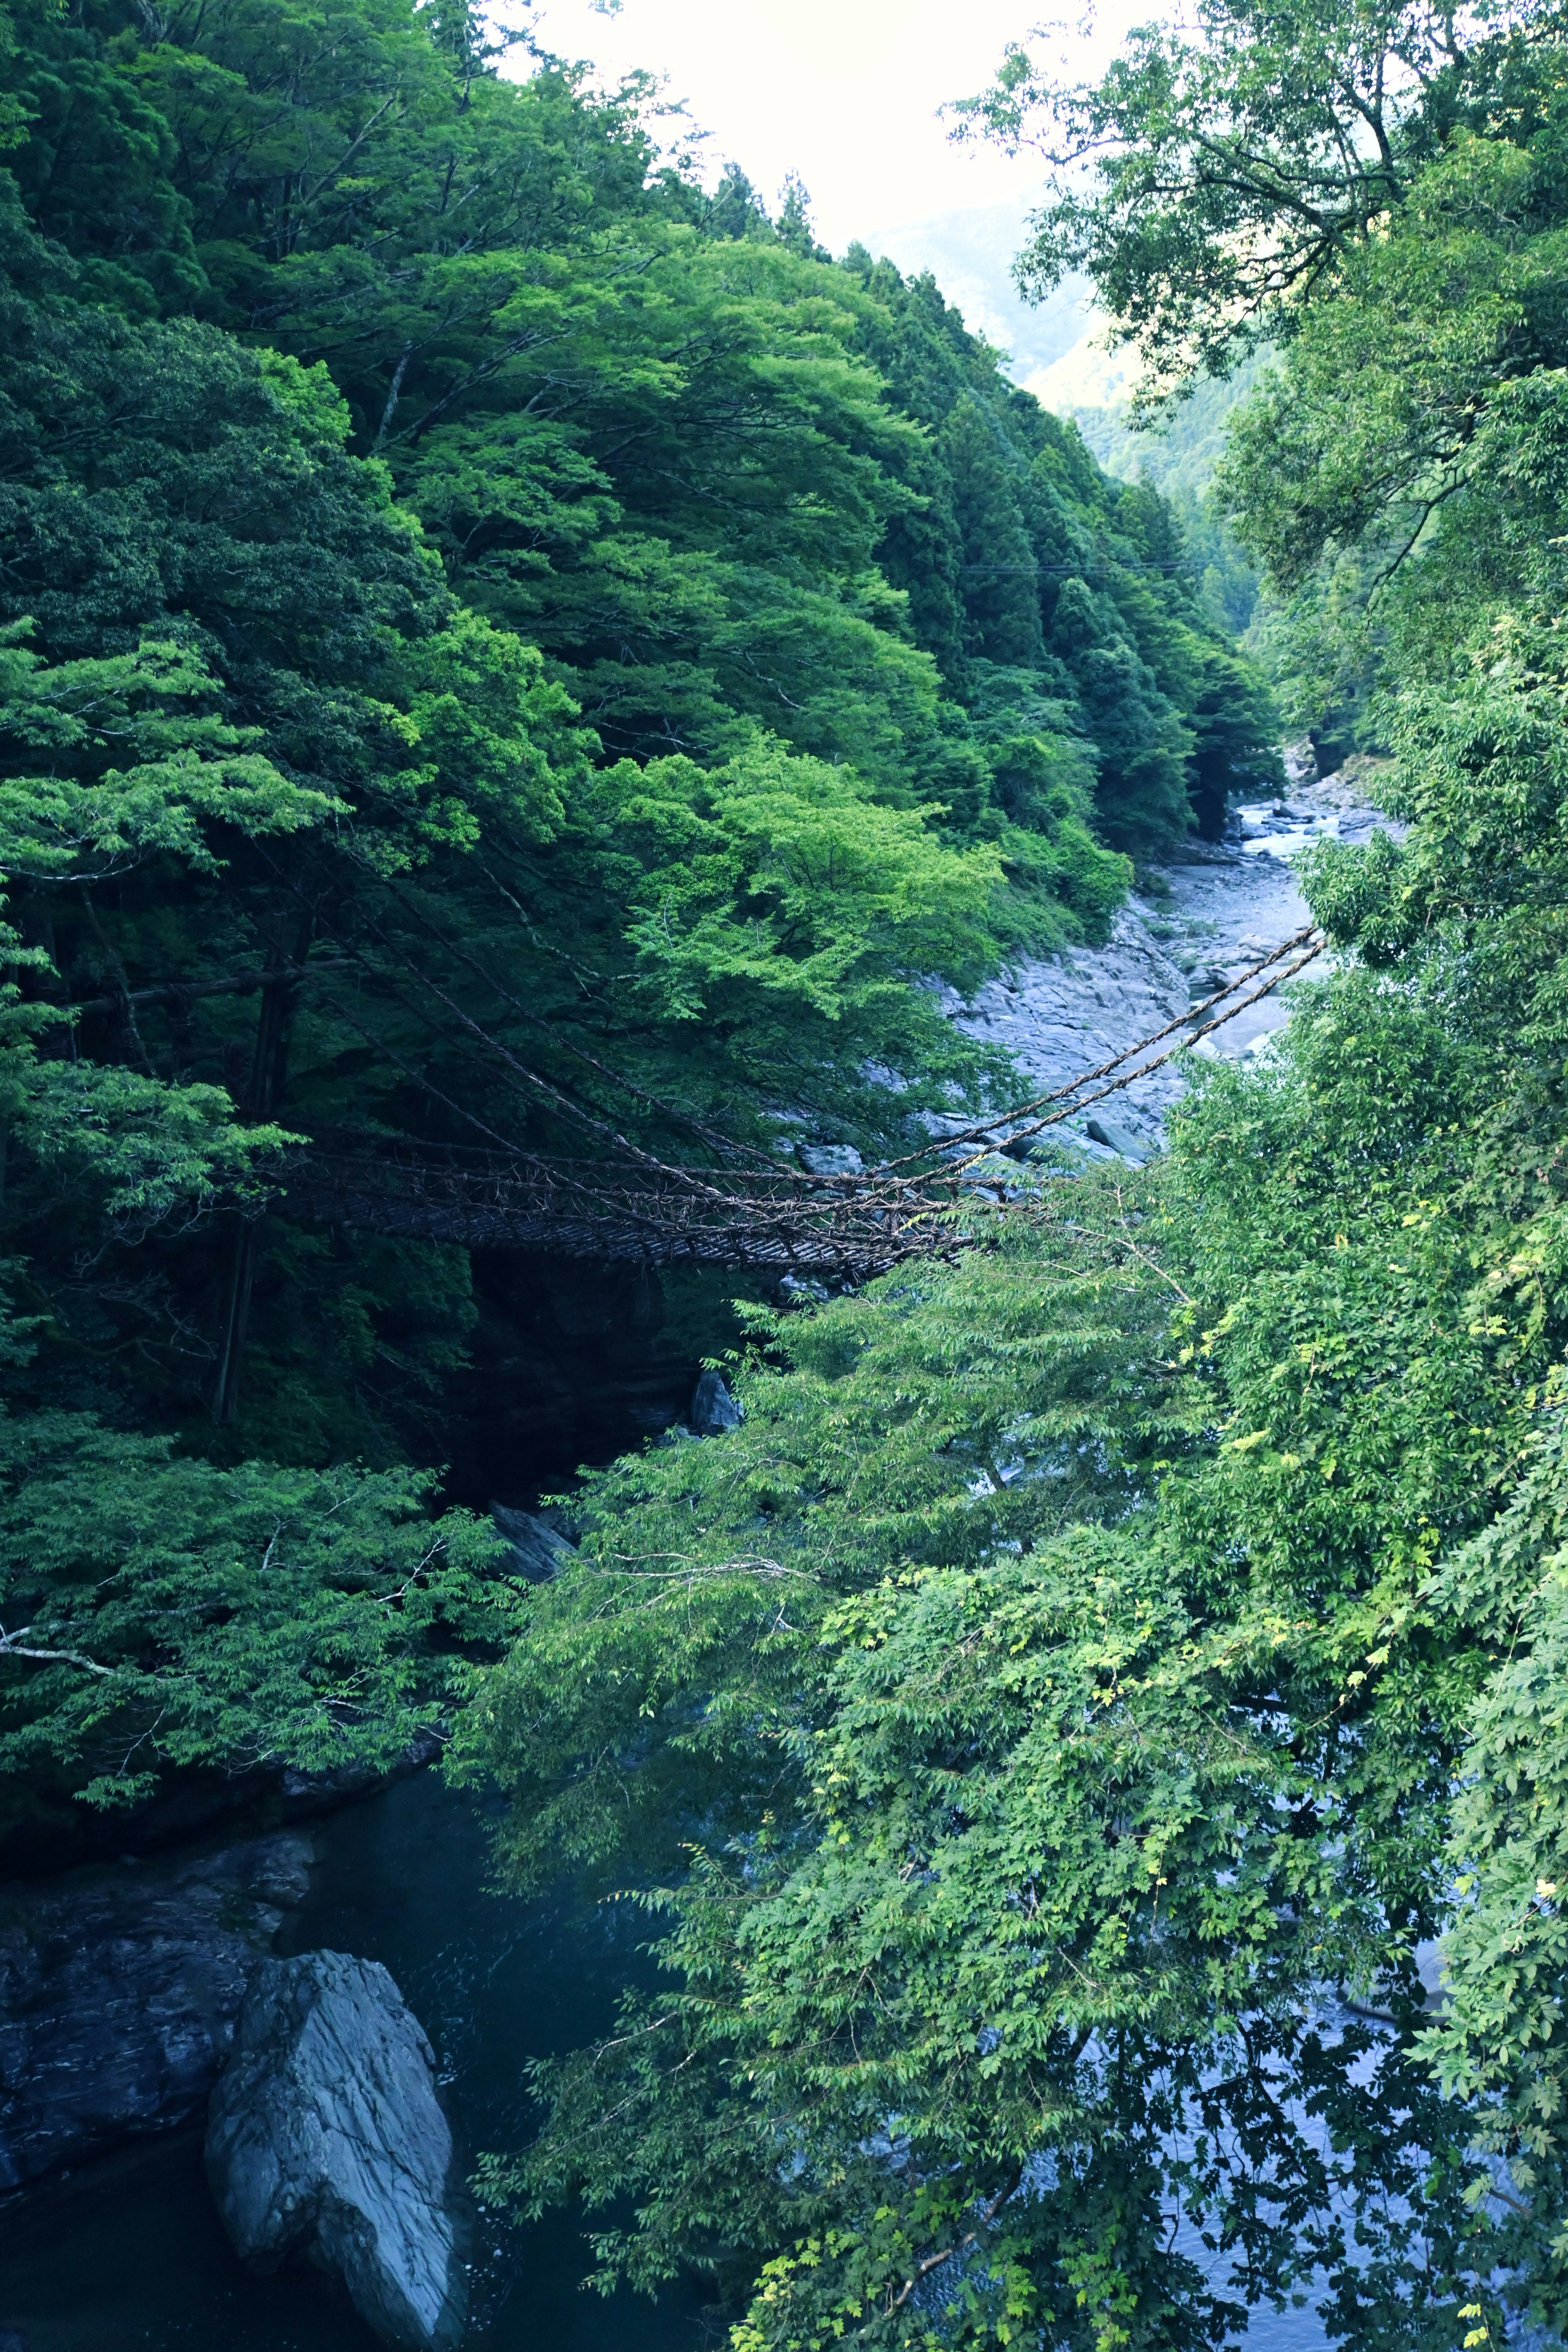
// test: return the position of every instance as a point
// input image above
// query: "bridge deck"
(577, 1210)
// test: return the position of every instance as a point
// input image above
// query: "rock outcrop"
(118, 1990)
(326, 2142)
(44, 1832)
(713, 1408)
(538, 1548)
(829, 1158)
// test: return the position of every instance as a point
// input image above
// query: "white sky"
(844, 92)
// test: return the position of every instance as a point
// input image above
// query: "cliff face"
(118, 1990)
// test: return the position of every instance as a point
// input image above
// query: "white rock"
(829, 1158)
(326, 2142)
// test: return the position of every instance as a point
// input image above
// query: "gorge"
(568, 758)
(96, 2257)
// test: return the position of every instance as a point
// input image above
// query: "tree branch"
(13, 1645)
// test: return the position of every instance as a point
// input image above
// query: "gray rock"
(713, 1409)
(829, 1158)
(537, 1547)
(1059, 1149)
(1217, 911)
(797, 1290)
(326, 2142)
(1117, 1138)
(118, 1990)
(48, 1833)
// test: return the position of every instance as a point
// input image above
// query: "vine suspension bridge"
(628, 1204)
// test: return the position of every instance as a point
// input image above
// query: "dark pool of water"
(128, 2253)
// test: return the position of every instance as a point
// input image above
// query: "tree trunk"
(269, 1077)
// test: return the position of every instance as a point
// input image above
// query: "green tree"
(648, 443)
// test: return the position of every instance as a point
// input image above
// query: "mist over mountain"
(970, 252)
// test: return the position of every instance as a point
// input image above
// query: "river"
(127, 2254)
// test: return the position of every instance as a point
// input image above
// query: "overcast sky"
(844, 92)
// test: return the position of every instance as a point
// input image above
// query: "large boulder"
(118, 1990)
(1112, 1136)
(713, 1408)
(326, 2142)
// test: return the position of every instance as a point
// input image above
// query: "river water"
(128, 2255)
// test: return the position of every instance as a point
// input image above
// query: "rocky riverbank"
(119, 1990)
(1214, 912)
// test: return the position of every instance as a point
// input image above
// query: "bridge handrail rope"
(1146, 1070)
(983, 1134)
(771, 1216)
(552, 1030)
(560, 1101)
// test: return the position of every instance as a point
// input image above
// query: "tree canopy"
(639, 653)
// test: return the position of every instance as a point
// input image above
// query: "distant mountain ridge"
(1058, 351)
(970, 254)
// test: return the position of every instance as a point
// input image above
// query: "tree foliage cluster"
(726, 486)
(499, 648)
(1092, 1744)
